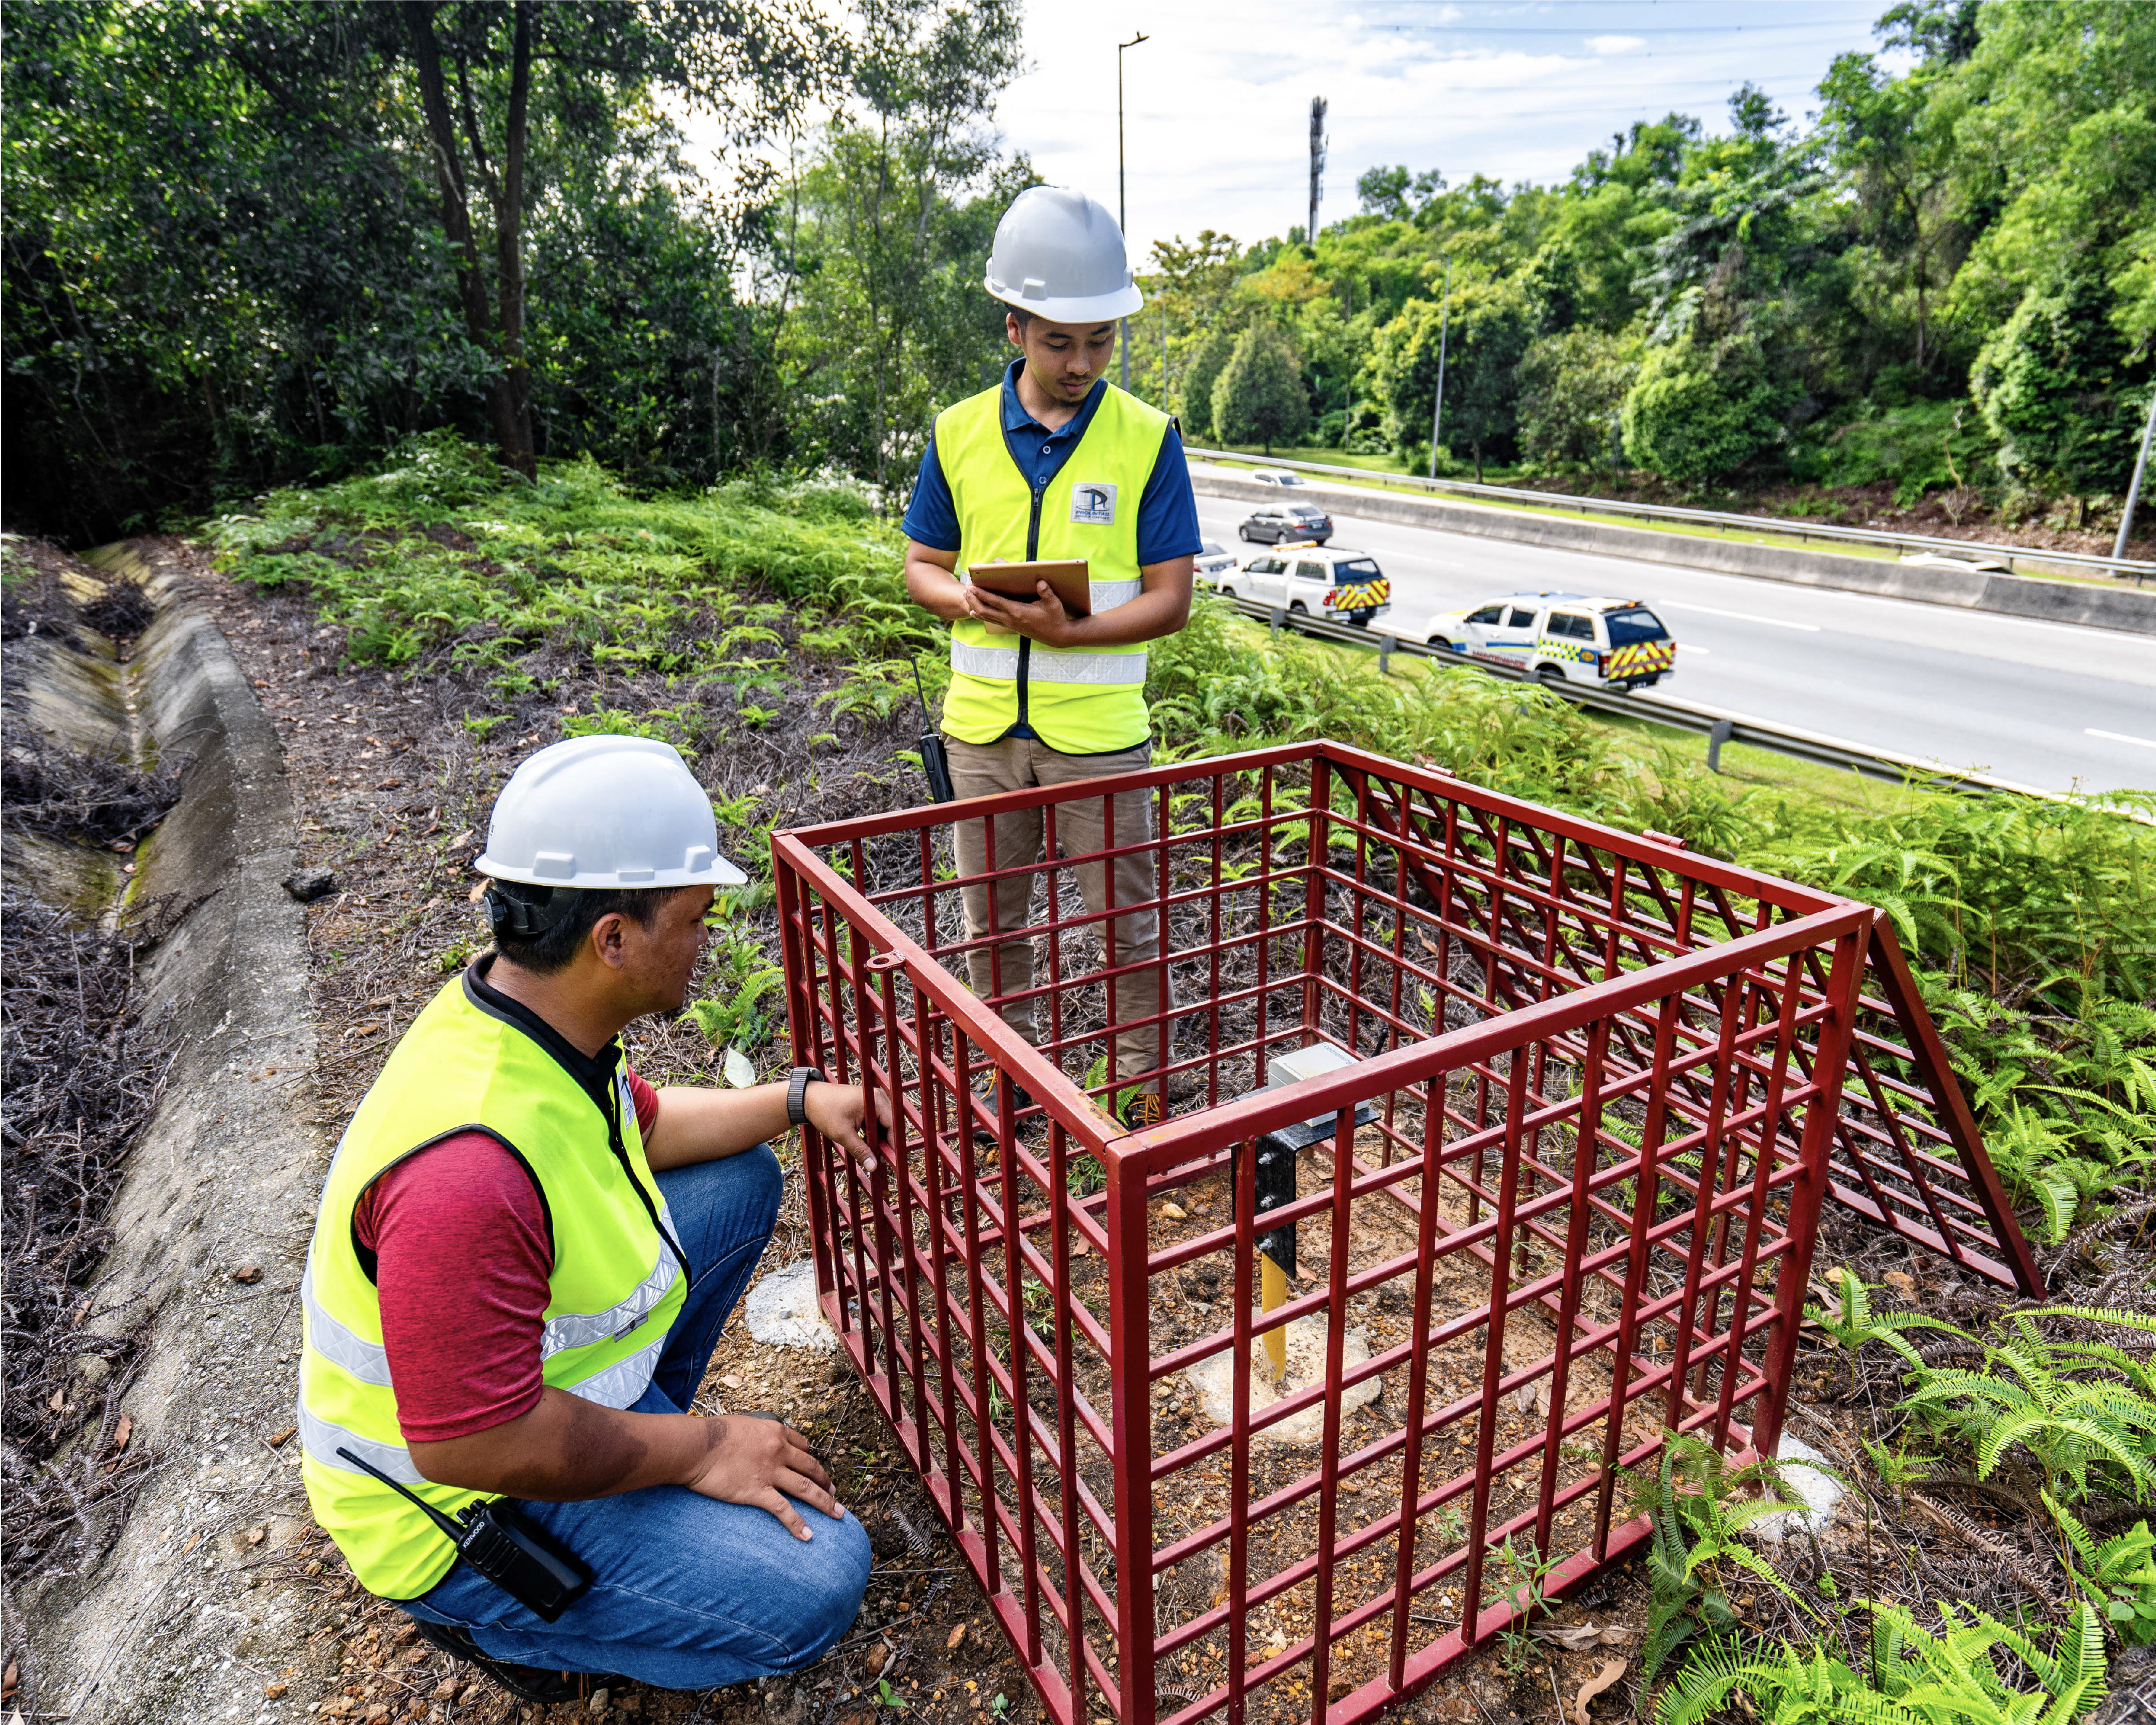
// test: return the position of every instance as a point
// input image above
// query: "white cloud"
(1217, 102)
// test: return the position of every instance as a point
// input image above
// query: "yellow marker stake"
(1272, 1295)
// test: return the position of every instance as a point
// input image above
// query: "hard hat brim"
(1096, 308)
(719, 872)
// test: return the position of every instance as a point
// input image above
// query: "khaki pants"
(1020, 763)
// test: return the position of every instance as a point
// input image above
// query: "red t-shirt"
(462, 1260)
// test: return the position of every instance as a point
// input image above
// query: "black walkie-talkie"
(934, 760)
(507, 1547)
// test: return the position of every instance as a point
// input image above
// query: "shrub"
(1921, 447)
(1571, 397)
(1690, 421)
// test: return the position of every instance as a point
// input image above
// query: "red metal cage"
(1560, 1197)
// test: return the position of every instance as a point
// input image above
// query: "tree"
(1689, 420)
(1202, 370)
(1573, 386)
(2058, 390)
(896, 216)
(754, 64)
(1881, 134)
(1258, 397)
(226, 265)
(1484, 339)
(1392, 194)
(213, 279)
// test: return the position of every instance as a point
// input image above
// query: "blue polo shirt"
(1168, 510)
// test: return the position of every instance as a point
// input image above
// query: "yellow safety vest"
(618, 1282)
(1082, 703)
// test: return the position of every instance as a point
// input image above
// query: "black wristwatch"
(797, 1093)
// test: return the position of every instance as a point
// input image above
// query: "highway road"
(2056, 706)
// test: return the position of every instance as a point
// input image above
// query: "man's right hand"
(763, 1462)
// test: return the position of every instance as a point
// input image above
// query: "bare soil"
(391, 789)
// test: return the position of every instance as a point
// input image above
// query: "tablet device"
(1070, 580)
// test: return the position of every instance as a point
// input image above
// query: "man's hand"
(834, 1110)
(1045, 620)
(762, 1463)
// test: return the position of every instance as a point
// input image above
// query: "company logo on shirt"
(1093, 506)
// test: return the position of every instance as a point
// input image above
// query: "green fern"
(1697, 1506)
(2118, 1576)
(1916, 1678)
(1847, 1317)
(2077, 1407)
(734, 1013)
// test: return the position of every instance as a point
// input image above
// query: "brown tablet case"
(1069, 579)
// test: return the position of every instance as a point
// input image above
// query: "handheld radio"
(507, 1547)
(934, 760)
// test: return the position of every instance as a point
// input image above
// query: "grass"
(2048, 911)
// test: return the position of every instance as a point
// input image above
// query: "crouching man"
(523, 1260)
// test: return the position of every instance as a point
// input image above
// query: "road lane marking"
(1810, 629)
(1690, 646)
(2146, 743)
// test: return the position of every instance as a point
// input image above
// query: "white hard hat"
(601, 813)
(1059, 255)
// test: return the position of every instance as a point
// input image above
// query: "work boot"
(1021, 1100)
(528, 1681)
(1142, 1111)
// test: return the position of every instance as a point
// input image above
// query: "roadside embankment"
(1973, 589)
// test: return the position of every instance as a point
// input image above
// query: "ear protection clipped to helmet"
(526, 912)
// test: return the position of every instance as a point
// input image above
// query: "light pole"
(1443, 329)
(1122, 217)
(2134, 490)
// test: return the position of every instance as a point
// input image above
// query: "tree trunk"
(456, 225)
(1478, 464)
(509, 247)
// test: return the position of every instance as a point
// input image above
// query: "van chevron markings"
(2061, 707)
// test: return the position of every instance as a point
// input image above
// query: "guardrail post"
(1278, 617)
(1385, 656)
(1722, 732)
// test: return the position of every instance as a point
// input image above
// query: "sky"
(1217, 102)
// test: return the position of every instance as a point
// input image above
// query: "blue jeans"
(687, 1593)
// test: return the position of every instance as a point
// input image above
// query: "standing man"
(523, 1259)
(1053, 463)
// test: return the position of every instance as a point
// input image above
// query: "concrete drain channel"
(146, 1619)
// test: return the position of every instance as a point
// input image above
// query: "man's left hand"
(1043, 620)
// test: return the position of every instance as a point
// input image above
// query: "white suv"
(1565, 636)
(1314, 579)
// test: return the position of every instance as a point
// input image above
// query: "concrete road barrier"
(2098, 606)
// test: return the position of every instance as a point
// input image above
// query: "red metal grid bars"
(1564, 1199)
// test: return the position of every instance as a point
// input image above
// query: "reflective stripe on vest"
(369, 1361)
(1048, 665)
(1085, 702)
(613, 1292)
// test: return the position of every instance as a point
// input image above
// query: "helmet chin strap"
(525, 912)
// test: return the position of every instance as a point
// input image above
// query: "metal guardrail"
(1958, 550)
(1717, 727)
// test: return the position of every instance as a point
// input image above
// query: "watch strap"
(797, 1093)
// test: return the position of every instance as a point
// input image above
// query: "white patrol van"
(1565, 636)
(1318, 580)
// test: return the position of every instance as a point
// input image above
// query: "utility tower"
(1316, 164)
